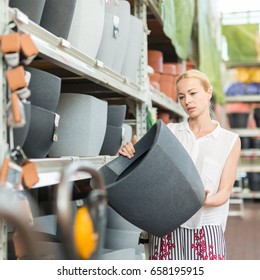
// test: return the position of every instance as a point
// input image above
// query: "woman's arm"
(227, 178)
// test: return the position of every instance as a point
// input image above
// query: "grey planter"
(20, 133)
(87, 26)
(116, 115)
(45, 89)
(57, 16)
(112, 49)
(32, 8)
(41, 131)
(134, 47)
(82, 125)
(153, 197)
(112, 141)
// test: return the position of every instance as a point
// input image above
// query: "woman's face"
(193, 97)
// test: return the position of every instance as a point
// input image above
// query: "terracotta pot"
(164, 116)
(155, 60)
(167, 84)
(170, 68)
(155, 85)
(237, 107)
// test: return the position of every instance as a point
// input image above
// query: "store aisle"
(242, 234)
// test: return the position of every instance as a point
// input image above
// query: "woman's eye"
(181, 97)
(192, 93)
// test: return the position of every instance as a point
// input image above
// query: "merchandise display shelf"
(49, 169)
(247, 132)
(250, 153)
(246, 193)
(63, 54)
(248, 168)
(165, 102)
(243, 98)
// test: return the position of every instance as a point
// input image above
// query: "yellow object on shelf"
(248, 75)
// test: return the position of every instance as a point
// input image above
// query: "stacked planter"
(155, 60)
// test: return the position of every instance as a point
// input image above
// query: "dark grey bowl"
(134, 46)
(112, 141)
(20, 133)
(82, 125)
(116, 115)
(45, 89)
(32, 8)
(238, 120)
(40, 135)
(153, 197)
(57, 16)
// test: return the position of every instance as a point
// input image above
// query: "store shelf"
(248, 168)
(243, 98)
(165, 102)
(250, 153)
(63, 54)
(49, 169)
(246, 194)
(247, 132)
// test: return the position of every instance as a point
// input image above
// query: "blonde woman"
(215, 151)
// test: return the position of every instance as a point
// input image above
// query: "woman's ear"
(210, 92)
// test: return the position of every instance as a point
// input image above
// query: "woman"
(215, 151)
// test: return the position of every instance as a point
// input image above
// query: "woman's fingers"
(127, 150)
(134, 140)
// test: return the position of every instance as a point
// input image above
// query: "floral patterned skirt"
(206, 243)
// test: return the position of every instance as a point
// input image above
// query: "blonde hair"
(196, 74)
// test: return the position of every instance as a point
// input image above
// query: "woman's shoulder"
(175, 126)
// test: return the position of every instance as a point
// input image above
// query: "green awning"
(178, 18)
(209, 56)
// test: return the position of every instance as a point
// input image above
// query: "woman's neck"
(201, 126)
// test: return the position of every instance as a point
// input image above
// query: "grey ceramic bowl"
(152, 197)
(32, 8)
(82, 125)
(112, 141)
(82, 35)
(134, 47)
(57, 16)
(45, 89)
(20, 133)
(116, 115)
(41, 131)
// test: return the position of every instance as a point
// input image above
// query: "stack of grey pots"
(114, 130)
(42, 117)
(122, 238)
(82, 128)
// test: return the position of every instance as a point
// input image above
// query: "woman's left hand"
(206, 197)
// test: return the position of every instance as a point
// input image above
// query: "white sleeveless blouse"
(209, 154)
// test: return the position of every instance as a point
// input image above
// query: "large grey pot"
(87, 26)
(112, 141)
(20, 133)
(82, 125)
(32, 8)
(122, 254)
(116, 115)
(159, 188)
(134, 47)
(112, 49)
(45, 89)
(57, 16)
(40, 136)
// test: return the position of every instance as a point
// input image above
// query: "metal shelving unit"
(61, 53)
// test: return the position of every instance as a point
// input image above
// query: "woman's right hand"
(128, 149)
